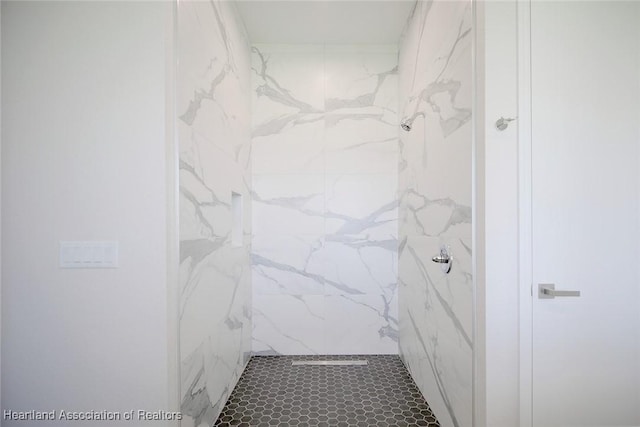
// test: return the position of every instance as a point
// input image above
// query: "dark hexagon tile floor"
(271, 392)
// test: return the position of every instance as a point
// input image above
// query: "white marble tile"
(289, 265)
(288, 205)
(286, 85)
(357, 265)
(361, 122)
(361, 324)
(212, 91)
(297, 148)
(325, 199)
(354, 80)
(288, 324)
(197, 177)
(201, 63)
(362, 205)
(435, 309)
(451, 292)
(455, 148)
(361, 143)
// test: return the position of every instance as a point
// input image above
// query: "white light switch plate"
(88, 254)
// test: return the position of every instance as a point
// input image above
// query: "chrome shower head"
(406, 124)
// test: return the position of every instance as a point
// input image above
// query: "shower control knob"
(444, 259)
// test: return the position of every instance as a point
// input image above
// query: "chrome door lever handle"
(558, 293)
(549, 291)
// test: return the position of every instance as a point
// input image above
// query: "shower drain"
(329, 363)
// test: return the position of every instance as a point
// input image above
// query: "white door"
(585, 73)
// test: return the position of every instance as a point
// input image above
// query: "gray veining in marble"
(324, 200)
(435, 309)
(258, 260)
(214, 160)
(431, 358)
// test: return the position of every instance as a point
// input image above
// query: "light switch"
(88, 254)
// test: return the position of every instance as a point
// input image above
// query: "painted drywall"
(213, 125)
(500, 149)
(83, 158)
(172, 211)
(324, 253)
(0, 209)
(499, 62)
(435, 190)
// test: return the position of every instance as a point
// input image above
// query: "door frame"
(525, 225)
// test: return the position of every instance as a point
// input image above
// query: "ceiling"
(321, 21)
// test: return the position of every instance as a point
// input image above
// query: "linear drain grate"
(329, 363)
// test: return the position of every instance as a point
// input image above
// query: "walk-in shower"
(345, 210)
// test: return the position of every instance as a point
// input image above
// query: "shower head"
(406, 124)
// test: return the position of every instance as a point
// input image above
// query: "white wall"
(499, 63)
(1, 334)
(83, 158)
(500, 151)
(325, 143)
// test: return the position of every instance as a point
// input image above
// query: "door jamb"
(525, 232)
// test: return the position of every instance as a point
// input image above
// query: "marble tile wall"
(213, 109)
(324, 155)
(435, 309)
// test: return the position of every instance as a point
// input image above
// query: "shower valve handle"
(444, 259)
(441, 259)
